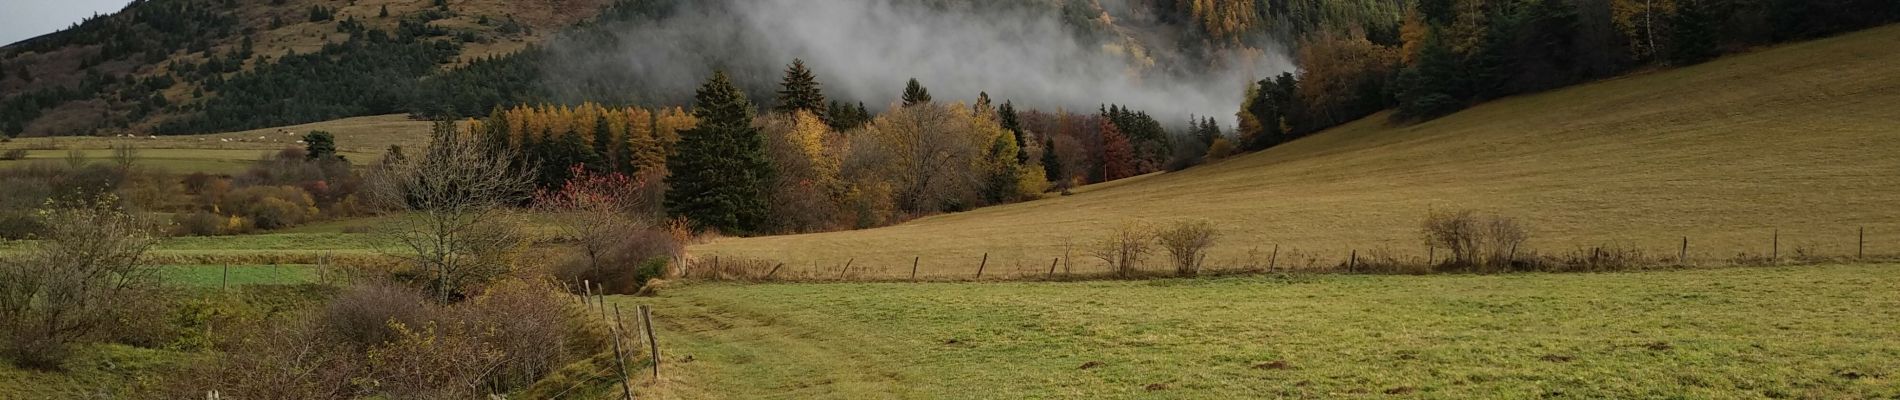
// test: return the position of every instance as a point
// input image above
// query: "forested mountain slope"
(197, 66)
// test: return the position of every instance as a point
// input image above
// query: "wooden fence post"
(646, 319)
(1860, 246)
(979, 267)
(913, 267)
(1052, 267)
(1682, 256)
(847, 268)
(1353, 262)
(1431, 254)
(1774, 256)
(1275, 259)
(768, 275)
(620, 359)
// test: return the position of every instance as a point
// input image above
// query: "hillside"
(1798, 138)
(362, 139)
(200, 66)
(161, 59)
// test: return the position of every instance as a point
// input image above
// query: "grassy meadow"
(1677, 334)
(362, 139)
(1802, 138)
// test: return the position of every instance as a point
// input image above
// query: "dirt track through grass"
(1800, 332)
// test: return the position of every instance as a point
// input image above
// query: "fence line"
(1380, 260)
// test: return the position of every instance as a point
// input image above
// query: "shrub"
(1124, 248)
(271, 207)
(1187, 243)
(289, 358)
(619, 268)
(78, 278)
(1477, 241)
(199, 223)
(1222, 148)
(364, 315)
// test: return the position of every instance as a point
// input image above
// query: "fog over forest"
(1029, 53)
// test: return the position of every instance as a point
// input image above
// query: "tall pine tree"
(1693, 39)
(720, 170)
(1006, 115)
(800, 91)
(915, 93)
(1051, 163)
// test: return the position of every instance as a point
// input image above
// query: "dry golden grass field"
(1803, 138)
(362, 139)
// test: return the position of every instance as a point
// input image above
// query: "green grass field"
(214, 276)
(1789, 332)
(1804, 138)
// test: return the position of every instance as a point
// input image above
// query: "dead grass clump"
(1385, 260)
(739, 269)
(1593, 259)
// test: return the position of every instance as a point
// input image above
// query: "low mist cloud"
(865, 50)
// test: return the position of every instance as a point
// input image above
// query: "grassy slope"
(1803, 137)
(363, 139)
(1694, 334)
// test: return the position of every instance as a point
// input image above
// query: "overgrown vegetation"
(86, 273)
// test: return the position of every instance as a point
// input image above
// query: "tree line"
(1451, 54)
(811, 163)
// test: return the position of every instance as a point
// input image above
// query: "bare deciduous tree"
(73, 280)
(459, 192)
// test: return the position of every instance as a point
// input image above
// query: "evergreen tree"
(1006, 115)
(1428, 89)
(1693, 38)
(915, 93)
(800, 91)
(320, 145)
(1051, 163)
(720, 170)
(556, 158)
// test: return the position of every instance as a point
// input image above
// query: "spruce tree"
(1006, 115)
(915, 93)
(1429, 88)
(800, 91)
(1693, 37)
(1051, 163)
(319, 145)
(720, 169)
(558, 156)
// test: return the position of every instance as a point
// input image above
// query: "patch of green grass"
(212, 276)
(95, 372)
(1800, 332)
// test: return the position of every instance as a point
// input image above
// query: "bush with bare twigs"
(1475, 241)
(1124, 248)
(1187, 243)
(73, 282)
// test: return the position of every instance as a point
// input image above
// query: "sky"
(25, 19)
